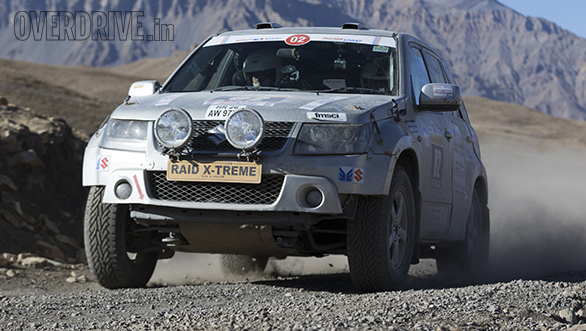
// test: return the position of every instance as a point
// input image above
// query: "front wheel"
(381, 239)
(118, 255)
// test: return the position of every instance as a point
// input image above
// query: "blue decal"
(345, 175)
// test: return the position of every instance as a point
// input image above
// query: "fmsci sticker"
(351, 175)
(104, 163)
(321, 116)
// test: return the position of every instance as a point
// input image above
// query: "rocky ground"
(36, 294)
(41, 197)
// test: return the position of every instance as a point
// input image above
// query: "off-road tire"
(380, 248)
(467, 256)
(106, 228)
(243, 265)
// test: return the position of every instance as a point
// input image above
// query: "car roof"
(267, 28)
(347, 28)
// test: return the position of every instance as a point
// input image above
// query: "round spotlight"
(123, 190)
(173, 128)
(313, 198)
(244, 129)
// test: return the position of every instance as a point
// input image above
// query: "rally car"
(276, 142)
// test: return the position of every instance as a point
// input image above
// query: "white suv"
(278, 142)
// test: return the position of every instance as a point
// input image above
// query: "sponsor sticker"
(302, 39)
(437, 167)
(351, 175)
(297, 39)
(245, 101)
(442, 92)
(425, 135)
(459, 171)
(104, 163)
(321, 116)
(412, 126)
(221, 112)
(217, 171)
(166, 100)
(314, 104)
(439, 214)
(380, 49)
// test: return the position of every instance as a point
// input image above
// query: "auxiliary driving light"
(173, 128)
(244, 129)
(123, 190)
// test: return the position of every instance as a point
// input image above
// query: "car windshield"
(300, 63)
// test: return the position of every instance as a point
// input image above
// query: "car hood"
(273, 105)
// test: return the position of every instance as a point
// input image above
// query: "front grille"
(264, 193)
(276, 134)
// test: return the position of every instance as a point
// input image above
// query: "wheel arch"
(408, 161)
(481, 188)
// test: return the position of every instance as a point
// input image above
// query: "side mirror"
(143, 88)
(440, 97)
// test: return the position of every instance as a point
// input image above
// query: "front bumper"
(286, 181)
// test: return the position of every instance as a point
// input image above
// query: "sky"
(568, 14)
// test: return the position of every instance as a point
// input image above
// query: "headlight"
(244, 129)
(173, 128)
(124, 134)
(332, 139)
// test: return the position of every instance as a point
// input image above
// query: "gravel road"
(65, 298)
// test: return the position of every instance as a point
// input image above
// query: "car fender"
(458, 227)
(403, 144)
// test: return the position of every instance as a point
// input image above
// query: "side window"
(461, 113)
(451, 79)
(435, 69)
(419, 76)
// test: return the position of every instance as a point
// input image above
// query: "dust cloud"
(191, 268)
(537, 202)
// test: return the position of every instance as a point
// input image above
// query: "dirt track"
(49, 299)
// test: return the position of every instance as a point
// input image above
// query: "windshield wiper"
(353, 89)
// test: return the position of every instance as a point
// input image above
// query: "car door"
(436, 160)
(466, 154)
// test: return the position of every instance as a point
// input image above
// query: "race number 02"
(297, 39)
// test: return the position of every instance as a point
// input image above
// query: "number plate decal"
(217, 171)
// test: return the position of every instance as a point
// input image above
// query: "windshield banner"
(301, 39)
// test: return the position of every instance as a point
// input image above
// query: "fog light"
(123, 190)
(313, 198)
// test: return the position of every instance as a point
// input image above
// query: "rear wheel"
(382, 237)
(119, 254)
(468, 255)
(243, 265)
